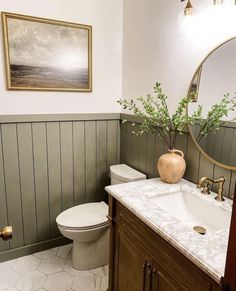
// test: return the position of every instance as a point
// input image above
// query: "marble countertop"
(208, 252)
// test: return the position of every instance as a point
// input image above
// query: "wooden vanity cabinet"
(141, 260)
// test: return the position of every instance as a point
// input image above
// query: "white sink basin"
(193, 210)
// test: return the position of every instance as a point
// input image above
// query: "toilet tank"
(123, 174)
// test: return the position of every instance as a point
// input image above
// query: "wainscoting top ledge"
(58, 117)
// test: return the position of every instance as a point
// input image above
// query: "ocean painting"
(46, 54)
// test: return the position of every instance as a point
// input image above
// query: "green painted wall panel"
(91, 160)
(26, 168)
(12, 180)
(142, 149)
(112, 142)
(102, 177)
(150, 159)
(54, 174)
(192, 161)
(39, 139)
(79, 162)
(4, 245)
(66, 135)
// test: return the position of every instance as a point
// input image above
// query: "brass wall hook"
(6, 233)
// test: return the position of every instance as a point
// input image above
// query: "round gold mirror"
(214, 79)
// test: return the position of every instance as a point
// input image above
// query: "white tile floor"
(50, 270)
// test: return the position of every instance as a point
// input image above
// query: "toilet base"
(91, 255)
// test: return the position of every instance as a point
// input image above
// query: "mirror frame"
(227, 167)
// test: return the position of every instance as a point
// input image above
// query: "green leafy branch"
(156, 116)
(214, 121)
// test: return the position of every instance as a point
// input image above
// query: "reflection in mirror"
(213, 86)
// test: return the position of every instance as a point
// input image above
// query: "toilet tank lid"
(84, 216)
(126, 173)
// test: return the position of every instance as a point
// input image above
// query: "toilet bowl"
(88, 226)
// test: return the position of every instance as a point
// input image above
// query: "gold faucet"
(205, 182)
(6, 233)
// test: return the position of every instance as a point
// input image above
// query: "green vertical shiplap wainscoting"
(49, 163)
(142, 153)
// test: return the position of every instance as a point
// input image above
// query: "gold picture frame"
(47, 55)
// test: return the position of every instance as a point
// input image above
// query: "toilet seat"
(84, 217)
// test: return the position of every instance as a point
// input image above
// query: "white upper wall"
(105, 16)
(159, 44)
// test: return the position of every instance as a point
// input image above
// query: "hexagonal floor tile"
(8, 279)
(45, 254)
(55, 250)
(7, 265)
(70, 270)
(52, 265)
(59, 282)
(104, 283)
(101, 271)
(31, 281)
(86, 281)
(11, 289)
(64, 251)
(26, 264)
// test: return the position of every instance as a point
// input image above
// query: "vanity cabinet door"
(163, 281)
(133, 264)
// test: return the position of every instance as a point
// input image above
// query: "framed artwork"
(48, 55)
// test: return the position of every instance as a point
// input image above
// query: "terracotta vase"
(171, 166)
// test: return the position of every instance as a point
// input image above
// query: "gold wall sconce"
(188, 10)
(218, 2)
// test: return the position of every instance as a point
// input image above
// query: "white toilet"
(87, 225)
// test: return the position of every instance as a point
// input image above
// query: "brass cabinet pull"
(154, 279)
(149, 283)
(150, 279)
(144, 274)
